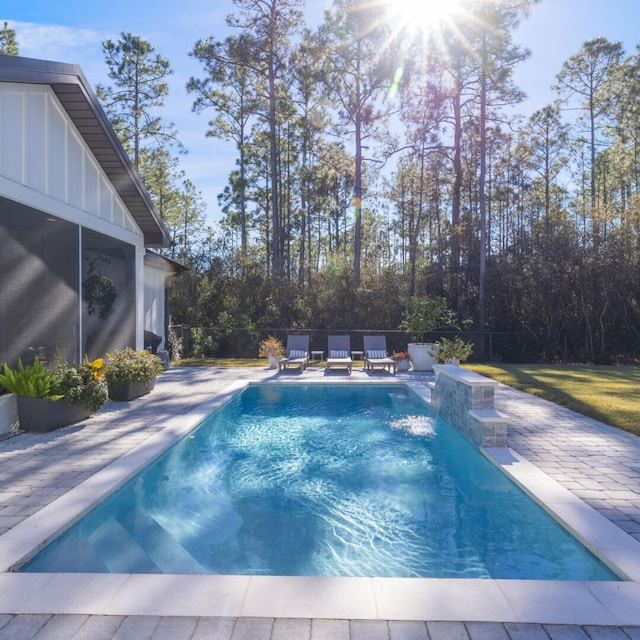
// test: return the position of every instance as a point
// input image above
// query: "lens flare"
(425, 15)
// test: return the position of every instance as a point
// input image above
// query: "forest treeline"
(376, 162)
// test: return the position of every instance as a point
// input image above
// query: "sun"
(424, 15)
(427, 12)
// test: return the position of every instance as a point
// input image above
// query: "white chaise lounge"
(339, 353)
(297, 353)
(376, 355)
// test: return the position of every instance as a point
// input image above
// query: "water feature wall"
(466, 400)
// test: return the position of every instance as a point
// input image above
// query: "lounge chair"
(375, 354)
(297, 353)
(340, 353)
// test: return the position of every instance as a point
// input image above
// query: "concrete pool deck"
(44, 478)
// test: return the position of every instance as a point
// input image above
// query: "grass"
(608, 394)
(222, 362)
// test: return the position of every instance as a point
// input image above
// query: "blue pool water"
(323, 480)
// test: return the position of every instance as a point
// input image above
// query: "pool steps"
(153, 550)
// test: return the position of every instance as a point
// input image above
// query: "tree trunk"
(357, 204)
(456, 195)
(481, 188)
(276, 253)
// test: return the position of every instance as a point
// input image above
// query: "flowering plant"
(80, 383)
(70, 383)
(271, 346)
(401, 355)
(129, 365)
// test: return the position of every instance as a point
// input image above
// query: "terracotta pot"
(42, 415)
(129, 390)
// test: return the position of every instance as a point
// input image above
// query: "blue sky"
(72, 31)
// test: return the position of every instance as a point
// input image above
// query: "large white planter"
(8, 413)
(423, 355)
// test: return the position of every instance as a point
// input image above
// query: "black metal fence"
(489, 346)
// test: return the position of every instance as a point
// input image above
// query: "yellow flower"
(97, 367)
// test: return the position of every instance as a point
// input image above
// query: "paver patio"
(599, 464)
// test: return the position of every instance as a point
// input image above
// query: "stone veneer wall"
(466, 400)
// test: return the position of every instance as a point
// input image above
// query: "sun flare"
(424, 15)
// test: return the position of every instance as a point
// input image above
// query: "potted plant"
(402, 360)
(131, 373)
(454, 351)
(422, 316)
(98, 291)
(47, 400)
(273, 349)
(81, 384)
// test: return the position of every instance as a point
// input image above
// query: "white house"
(76, 223)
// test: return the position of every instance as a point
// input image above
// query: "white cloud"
(63, 44)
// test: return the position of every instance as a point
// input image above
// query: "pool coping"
(560, 602)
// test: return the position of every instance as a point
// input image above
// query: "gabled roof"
(81, 104)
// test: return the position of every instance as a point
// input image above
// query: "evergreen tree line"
(375, 163)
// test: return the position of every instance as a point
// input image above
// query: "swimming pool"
(323, 480)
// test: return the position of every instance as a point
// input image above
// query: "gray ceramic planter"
(129, 390)
(42, 415)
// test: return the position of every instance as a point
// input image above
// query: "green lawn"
(608, 394)
(222, 362)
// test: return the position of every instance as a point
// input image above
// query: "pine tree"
(8, 42)
(140, 90)
(230, 88)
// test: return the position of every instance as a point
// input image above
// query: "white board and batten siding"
(46, 164)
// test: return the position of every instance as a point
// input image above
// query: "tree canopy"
(377, 162)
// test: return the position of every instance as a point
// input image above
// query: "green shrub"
(455, 349)
(33, 381)
(202, 344)
(129, 365)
